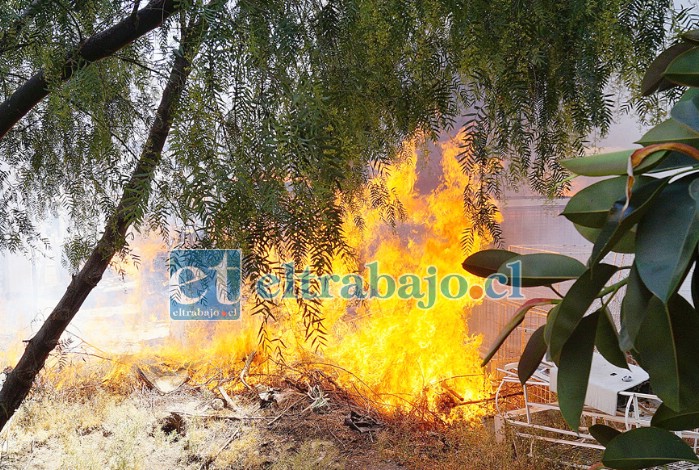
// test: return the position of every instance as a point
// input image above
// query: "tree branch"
(134, 196)
(96, 47)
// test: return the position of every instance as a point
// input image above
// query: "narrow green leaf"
(575, 304)
(683, 68)
(654, 75)
(486, 262)
(646, 447)
(644, 192)
(668, 348)
(633, 309)
(667, 237)
(590, 206)
(603, 434)
(666, 418)
(517, 318)
(607, 340)
(532, 355)
(574, 369)
(543, 269)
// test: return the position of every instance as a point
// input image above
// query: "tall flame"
(399, 350)
(392, 352)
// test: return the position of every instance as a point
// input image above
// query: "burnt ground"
(90, 427)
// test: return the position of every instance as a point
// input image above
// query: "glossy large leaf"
(654, 75)
(646, 447)
(618, 223)
(486, 262)
(514, 322)
(668, 348)
(609, 164)
(603, 164)
(532, 355)
(667, 238)
(691, 35)
(626, 244)
(683, 69)
(670, 130)
(669, 161)
(666, 418)
(543, 269)
(603, 434)
(550, 321)
(590, 206)
(574, 306)
(686, 111)
(574, 369)
(633, 309)
(607, 340)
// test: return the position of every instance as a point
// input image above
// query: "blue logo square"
(205, 284)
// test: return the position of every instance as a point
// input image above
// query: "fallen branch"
(485, 400)
(226, 397)
(217, 416)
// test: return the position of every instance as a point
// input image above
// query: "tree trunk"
(94, 48)
(134, 196)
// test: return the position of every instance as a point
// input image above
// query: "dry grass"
(87, 424)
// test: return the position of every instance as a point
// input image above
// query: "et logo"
(205, 284)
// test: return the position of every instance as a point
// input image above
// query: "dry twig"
(211, 460)
(246, 369)
(226, 397)
(285, 410)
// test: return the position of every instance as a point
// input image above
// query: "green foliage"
(292, 89)
(590, 206)
(646, 447)
(541, 269)
(666, 418)
(607, 340)
(575, 362)
(517, 318)
(659, 327)
(533, 354)
(487, 262)
(622, 216)
(293, 106)
(603, 433)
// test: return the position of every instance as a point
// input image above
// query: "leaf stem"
(613, 288)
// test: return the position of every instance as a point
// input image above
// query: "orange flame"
(389, 350)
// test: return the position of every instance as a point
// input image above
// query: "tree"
(654, 215)
(286, 106)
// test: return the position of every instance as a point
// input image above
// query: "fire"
(390, 351)
(400, 351)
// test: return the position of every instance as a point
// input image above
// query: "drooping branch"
(134, 196)
(15, 28)
(94, 48)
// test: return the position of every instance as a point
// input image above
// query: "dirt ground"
(191, 428)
